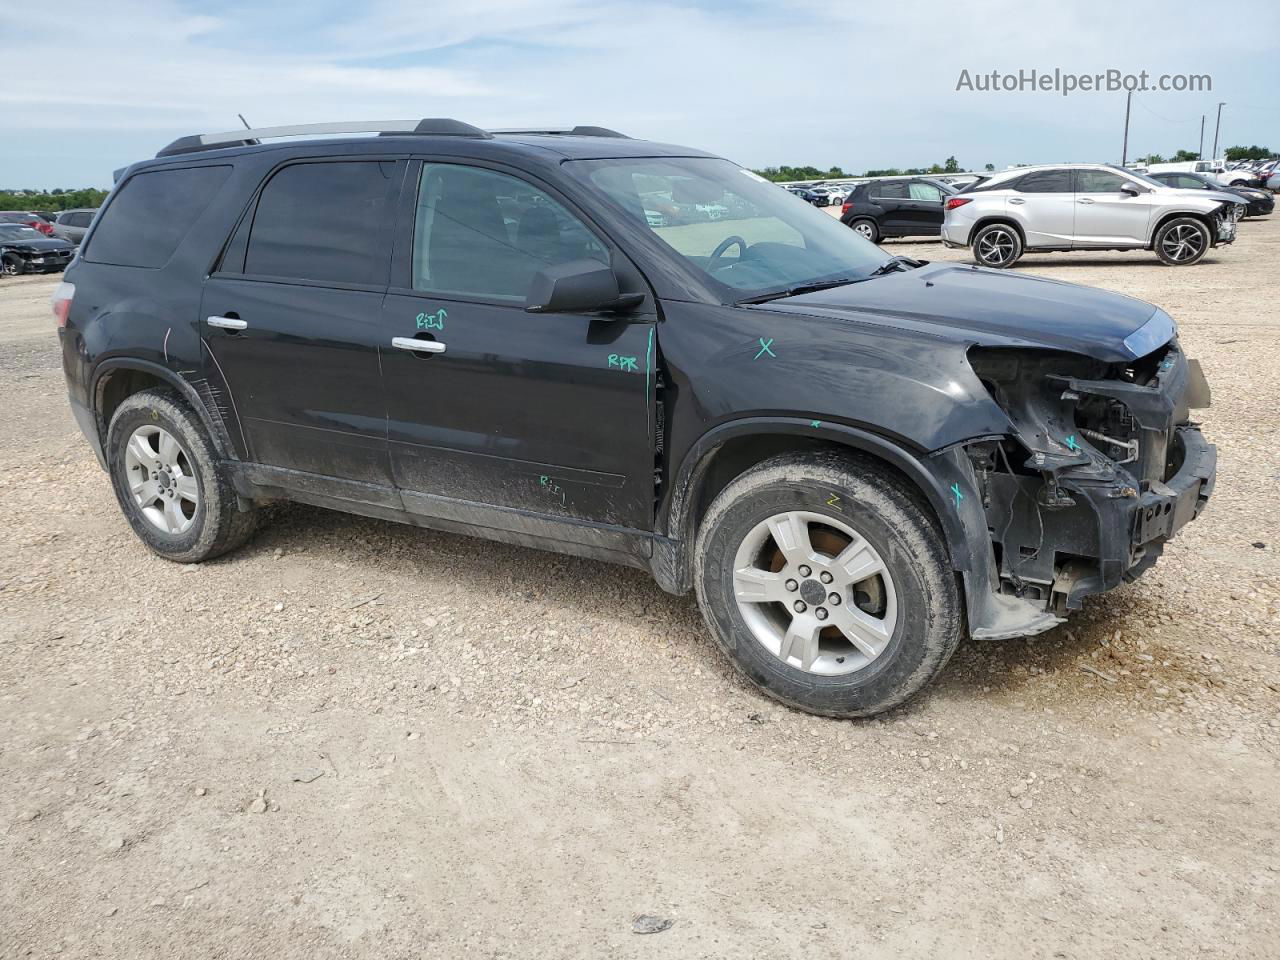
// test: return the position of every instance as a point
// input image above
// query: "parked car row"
(32, 242)
(1180, 215)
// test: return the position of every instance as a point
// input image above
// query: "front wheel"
(997, 245)
(12, 266)
(169, 480)
(826, 581)
(1182, 241)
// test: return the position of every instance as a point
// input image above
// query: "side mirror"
(1130, 188)
(576, 287)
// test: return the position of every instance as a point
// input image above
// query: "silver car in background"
(1086, 206)
(74, 224)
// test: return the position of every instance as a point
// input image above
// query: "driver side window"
(485, 234)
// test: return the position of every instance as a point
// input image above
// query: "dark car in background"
(906, 207)
(810, 196)
(29, 219)
(24, 249)
(71, 225)
(1259, 203)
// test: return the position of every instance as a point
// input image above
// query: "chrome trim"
(419, 346)
(227, 323)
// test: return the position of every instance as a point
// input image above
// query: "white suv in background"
(1085, 206)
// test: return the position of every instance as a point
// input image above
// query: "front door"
(1105, 215)
(514, 414)
(292, 319)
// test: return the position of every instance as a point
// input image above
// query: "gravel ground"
(357, 739)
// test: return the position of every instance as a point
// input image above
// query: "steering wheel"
(724, 245)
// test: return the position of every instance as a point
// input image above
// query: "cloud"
(820, 81)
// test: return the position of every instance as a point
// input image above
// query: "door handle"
(424, 346)
(1083, 200)
(1016, 200)
(227, 323)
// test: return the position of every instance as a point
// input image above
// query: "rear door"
(517, 414)
(292, 319)
(1043, 203)
(892, 198)
(1107, 216)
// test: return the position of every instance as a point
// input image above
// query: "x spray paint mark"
(1072, 444)
(764, 348)
(955, 488)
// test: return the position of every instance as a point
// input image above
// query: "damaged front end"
(1101, 468)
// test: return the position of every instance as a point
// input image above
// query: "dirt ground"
(358, 739)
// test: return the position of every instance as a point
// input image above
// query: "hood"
(36, 246)
(995, 308)
(1211, 196)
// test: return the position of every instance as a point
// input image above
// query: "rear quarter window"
(152, 212)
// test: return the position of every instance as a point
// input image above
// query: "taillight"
(63, 294)
(844, 207)
(953, 202)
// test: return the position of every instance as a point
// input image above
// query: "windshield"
(14, 231)
(747, 236)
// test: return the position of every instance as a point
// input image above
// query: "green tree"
(1249, 153)
(51, 200)
(989, 167)
(1152, 158)
(1184, 155)
(951, 166)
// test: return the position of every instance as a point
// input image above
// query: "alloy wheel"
(865, 229)
(161, 479)
(997, 246)
(1184, 242)
(815, 593)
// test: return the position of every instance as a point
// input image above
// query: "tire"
(866, 228)
(913, 603)
(1182, 241)
(193, 498)
(997, 245)
(12, 267)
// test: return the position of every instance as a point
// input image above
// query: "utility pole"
(1124, 151)
(1200, 153)
(1215, 131)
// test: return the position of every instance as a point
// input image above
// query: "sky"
(819, 82)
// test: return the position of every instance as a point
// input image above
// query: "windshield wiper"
(892, 265)
(801, 288)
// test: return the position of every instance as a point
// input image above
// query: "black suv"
(909, 207)
(851, 459)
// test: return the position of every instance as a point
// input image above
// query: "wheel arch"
(730, 449)
(994, 218)
(1204, 218)
(117, 379)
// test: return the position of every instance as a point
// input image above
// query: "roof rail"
(241, 138)
(578, 131)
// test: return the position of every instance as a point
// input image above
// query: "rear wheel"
(827, 583)
(997, 245)
(1182, 241)
(866, 228)
(169, 480)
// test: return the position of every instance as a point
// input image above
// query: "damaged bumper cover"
(1103, 467)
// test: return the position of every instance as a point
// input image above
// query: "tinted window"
(924, 191)
(1098, 181)
(152, 212)
(1191, 183)
(1044, 181)
(324, 221)
(894, 190)
(485, 234)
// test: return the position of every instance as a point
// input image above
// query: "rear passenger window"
(485, 234)
(1045, 181)
(152, 212)
(892, 191)
(324, 221)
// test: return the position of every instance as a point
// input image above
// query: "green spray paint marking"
(955, 488)
(552, 488)
(815, 423)
(432, 321)
(625, 364)
(1072, 444)
(764, 348)
(834, 501)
